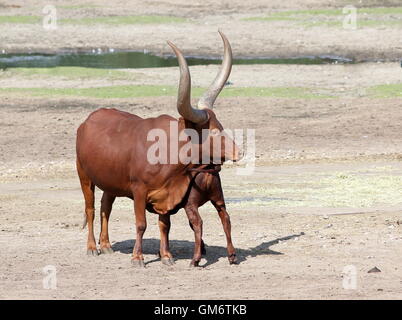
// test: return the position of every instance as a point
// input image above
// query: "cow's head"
(214, 141)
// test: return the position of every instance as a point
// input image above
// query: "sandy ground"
(285, 252)
(325, 193)
(293, 130)
(249, 38)
(282, 254)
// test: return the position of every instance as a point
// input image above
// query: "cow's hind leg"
(88, 189)
(164, 227)
(106, 209)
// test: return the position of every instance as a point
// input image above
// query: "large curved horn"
(183, 99)
(209, 97)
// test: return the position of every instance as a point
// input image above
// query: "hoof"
(138, 263)
(94, 253)
(168, 261)
(106, 250)
(232, 259)
(194, 264)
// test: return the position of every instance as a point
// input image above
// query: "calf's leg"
(203, 250)
(196, 222)
(225, 219)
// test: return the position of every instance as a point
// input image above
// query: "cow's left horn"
(184, 96)
(209, 97)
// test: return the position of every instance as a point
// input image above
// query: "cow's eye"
(215, 132)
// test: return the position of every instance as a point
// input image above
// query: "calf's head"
(216, 146)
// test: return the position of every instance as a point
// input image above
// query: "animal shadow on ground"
(183, 249)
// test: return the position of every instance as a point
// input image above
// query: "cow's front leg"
(196, 222)
(141, 225)
(164, 227)
(203, 250)
(225, 219)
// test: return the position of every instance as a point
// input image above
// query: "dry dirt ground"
(295, 249)
(325, 193)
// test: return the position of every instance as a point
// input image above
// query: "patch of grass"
(342, 189)
(352, 190)
(122, 20)
(296, 15)
(132, 91)
(271, 18)
(360, 23)
(376, 23)
(303, 17)
(20, 19)
(334, 12)
(98, 92)
(380, 10)
(69, 73)
(386, 91)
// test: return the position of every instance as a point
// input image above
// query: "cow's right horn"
(184, 96)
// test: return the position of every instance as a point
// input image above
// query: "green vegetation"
(98, 92)
(20, 19)
(376, 23)
(386, 91)
(379, 10)
(112, 20)
(132, 91)
(69, 73)
(272, 18)
(367, 17)
(360, 23)
(118, 20)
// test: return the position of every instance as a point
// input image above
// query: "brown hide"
(113, 154)
(112, 151)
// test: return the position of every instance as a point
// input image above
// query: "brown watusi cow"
(113, 154)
